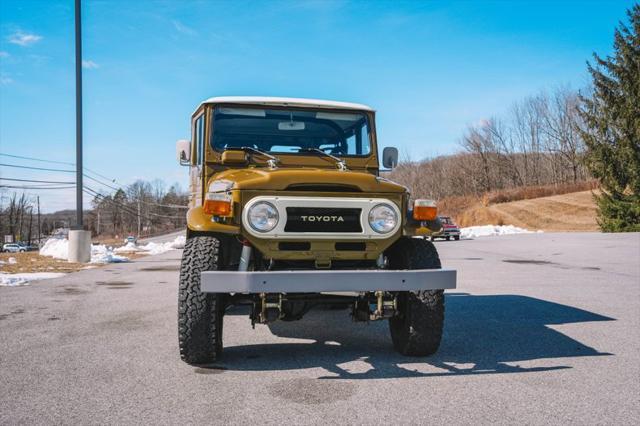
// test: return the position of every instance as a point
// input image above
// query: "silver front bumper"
(326, 281)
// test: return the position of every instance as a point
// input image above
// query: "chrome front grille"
(324, 218)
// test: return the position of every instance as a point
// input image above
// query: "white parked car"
(13, 248)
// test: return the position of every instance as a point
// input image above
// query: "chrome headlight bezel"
(270, 210)
(387, 214)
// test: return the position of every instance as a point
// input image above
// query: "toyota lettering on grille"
(323, 219)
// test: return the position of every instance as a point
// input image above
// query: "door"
(197, 162)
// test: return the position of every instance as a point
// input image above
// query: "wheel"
(417, 329)
(448, 238)
(457, 237)
(199, 314)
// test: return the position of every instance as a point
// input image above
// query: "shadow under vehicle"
(490, 334)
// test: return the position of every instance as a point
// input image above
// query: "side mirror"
(183, 151)
(390, 157)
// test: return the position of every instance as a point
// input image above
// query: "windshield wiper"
(339, 161)
(272, 160)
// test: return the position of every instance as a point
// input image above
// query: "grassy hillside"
(567, 212)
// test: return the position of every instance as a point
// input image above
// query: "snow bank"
(56, 247)
(153, 248)
(59, 249)
(492, 230)
(10, 280)
(101, 254)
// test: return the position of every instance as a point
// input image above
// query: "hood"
(324, 180)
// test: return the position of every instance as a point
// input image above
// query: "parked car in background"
(449, 229)
(28, 247)
(130, 239)
(13, 248)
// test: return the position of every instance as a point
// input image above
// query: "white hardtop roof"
(299, 102)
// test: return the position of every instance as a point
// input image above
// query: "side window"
(199, 139)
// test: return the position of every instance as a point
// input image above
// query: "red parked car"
(449, 229)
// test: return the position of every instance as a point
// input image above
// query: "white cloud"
(23, 39)
(89, 64)
(4, 54)
(182, 28)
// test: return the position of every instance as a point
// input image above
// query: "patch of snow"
(153, 248)
(130, 247)
(492, 230)
(12, 261)
(59, 249)
(103, 254)
(12, 280)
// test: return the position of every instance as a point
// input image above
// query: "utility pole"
(138, 217)
(79, 239)
(79, 221)
(30, 224)
(39, 231)
(98, 225)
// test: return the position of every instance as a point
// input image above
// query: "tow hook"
(384, 306)
(269, 309)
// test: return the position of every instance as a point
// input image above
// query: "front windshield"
(290, 131)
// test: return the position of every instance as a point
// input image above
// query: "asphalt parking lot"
(543, 328)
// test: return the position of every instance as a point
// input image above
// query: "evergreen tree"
(612, 132)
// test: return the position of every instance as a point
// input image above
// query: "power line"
(36, 159)
(37, 181)
(36, 168)
(58, 170)
(37, 187)
(171, 206)
(174, 206)
(102, 183)
(122, 206)
(56, 162)
(98, 174)
(97, 194)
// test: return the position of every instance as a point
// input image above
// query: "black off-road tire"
(457, 237)
(417, 330)
(200, 314)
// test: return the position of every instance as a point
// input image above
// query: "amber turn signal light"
(217, 205)
(425, 210)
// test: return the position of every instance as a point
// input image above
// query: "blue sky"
(429, 68)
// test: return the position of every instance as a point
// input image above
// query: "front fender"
(414, 227)
(198, 220)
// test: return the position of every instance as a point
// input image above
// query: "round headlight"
(383, 218)
(263, 216)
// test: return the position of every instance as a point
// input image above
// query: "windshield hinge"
(272, 163)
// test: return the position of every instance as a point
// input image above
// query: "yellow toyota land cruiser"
(288, 210)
